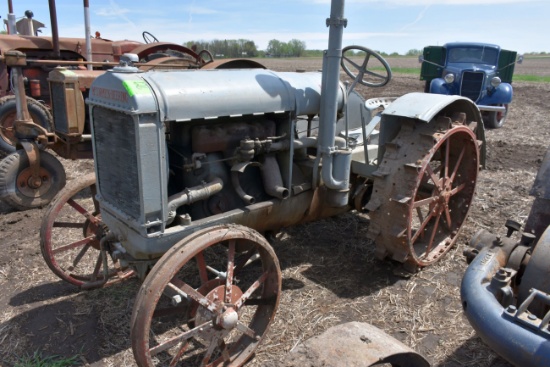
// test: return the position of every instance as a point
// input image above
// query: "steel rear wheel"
(69, 237)
(429, 173)
(208, 301)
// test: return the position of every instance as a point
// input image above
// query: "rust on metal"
(217, 307)
(425, 195)
(57, 248)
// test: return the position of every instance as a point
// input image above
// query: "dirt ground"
(329, 275)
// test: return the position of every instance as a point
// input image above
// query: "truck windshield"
(482, 55)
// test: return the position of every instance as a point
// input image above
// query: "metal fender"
(439, 86)
(503, 94)
(425, 107)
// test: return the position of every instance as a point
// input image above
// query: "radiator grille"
(116, 156)
(471, 85)
(59, 113)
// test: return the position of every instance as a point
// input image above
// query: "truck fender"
(424, 107)
(439, 86)
(503, 94)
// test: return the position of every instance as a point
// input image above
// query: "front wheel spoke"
(180, 338)
(67, 225)
(230, 267)
(225, 351)
(82, 211)
(185, 290)
(179, 354)
(201, 264)
(74, 245)
(246, 330)
(246, 295)
(97, 267)
(80, 255)
(211, 348)
(420, 230)
(251, 255)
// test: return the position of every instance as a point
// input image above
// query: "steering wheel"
(360, 73)
(149, 38)
(209, 57)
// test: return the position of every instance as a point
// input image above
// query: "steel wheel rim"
(151, 338)
(430, 236)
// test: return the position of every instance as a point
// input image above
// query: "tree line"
(248, 48)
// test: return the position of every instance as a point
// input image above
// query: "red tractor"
(54, 79)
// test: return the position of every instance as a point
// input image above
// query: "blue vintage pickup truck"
(480, 71)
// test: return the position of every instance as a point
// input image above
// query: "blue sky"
(384, 25)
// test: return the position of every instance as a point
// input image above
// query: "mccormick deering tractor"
(193, 168)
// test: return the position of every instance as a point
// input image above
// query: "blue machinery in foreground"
(505, 291)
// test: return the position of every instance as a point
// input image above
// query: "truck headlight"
(495, 82)
(449, 78)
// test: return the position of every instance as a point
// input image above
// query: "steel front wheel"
(69, 237)
(429, 176)
(208, 301)
(20, 190)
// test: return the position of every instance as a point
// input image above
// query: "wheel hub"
(34, 186)
(227, 318)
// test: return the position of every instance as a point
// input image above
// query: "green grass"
(37, 360)
(517, 77)
(531, 78)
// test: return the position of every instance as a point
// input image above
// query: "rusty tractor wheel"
(423, 190)
(69, 237)
(8, 114)
(19, 190)
(208, 301)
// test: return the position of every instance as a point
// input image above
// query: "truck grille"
(471, 85)
(116, 160)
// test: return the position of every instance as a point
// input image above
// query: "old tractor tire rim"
(443, 195)
(185, 312)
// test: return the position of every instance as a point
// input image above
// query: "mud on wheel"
(423, 190)
(69, 237)
(208, 301)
